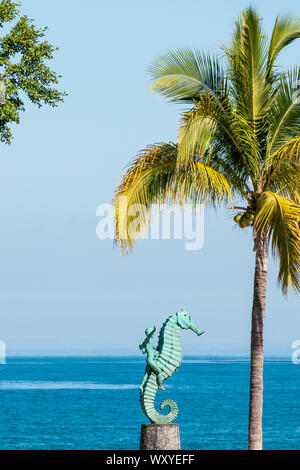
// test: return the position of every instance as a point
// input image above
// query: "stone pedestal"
(160, 437)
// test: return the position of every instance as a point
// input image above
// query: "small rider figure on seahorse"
(147, 347)
(162, 361)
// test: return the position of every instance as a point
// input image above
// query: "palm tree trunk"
(257, 347)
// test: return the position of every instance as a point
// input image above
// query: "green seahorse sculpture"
(162, 361)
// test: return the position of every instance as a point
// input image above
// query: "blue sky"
(61, 287)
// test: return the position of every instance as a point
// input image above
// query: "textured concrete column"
(160, 437)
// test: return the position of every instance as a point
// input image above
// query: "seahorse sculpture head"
(162, 362)
(184, 320)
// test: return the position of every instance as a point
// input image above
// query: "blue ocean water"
(92, 403)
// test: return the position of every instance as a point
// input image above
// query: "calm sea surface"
(92, 403)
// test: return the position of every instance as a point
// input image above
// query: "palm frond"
(287, 155)
(153, 178)
(199, 125)
(278, 219)
(284, 115)
(286, 30)
(184, 74)
(247, 57)
(287, 180)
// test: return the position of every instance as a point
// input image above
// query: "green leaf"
(279, 218)
(185, 74)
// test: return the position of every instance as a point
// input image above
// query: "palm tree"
(239, 140)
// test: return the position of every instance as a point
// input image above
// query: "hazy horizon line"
(119, 352)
